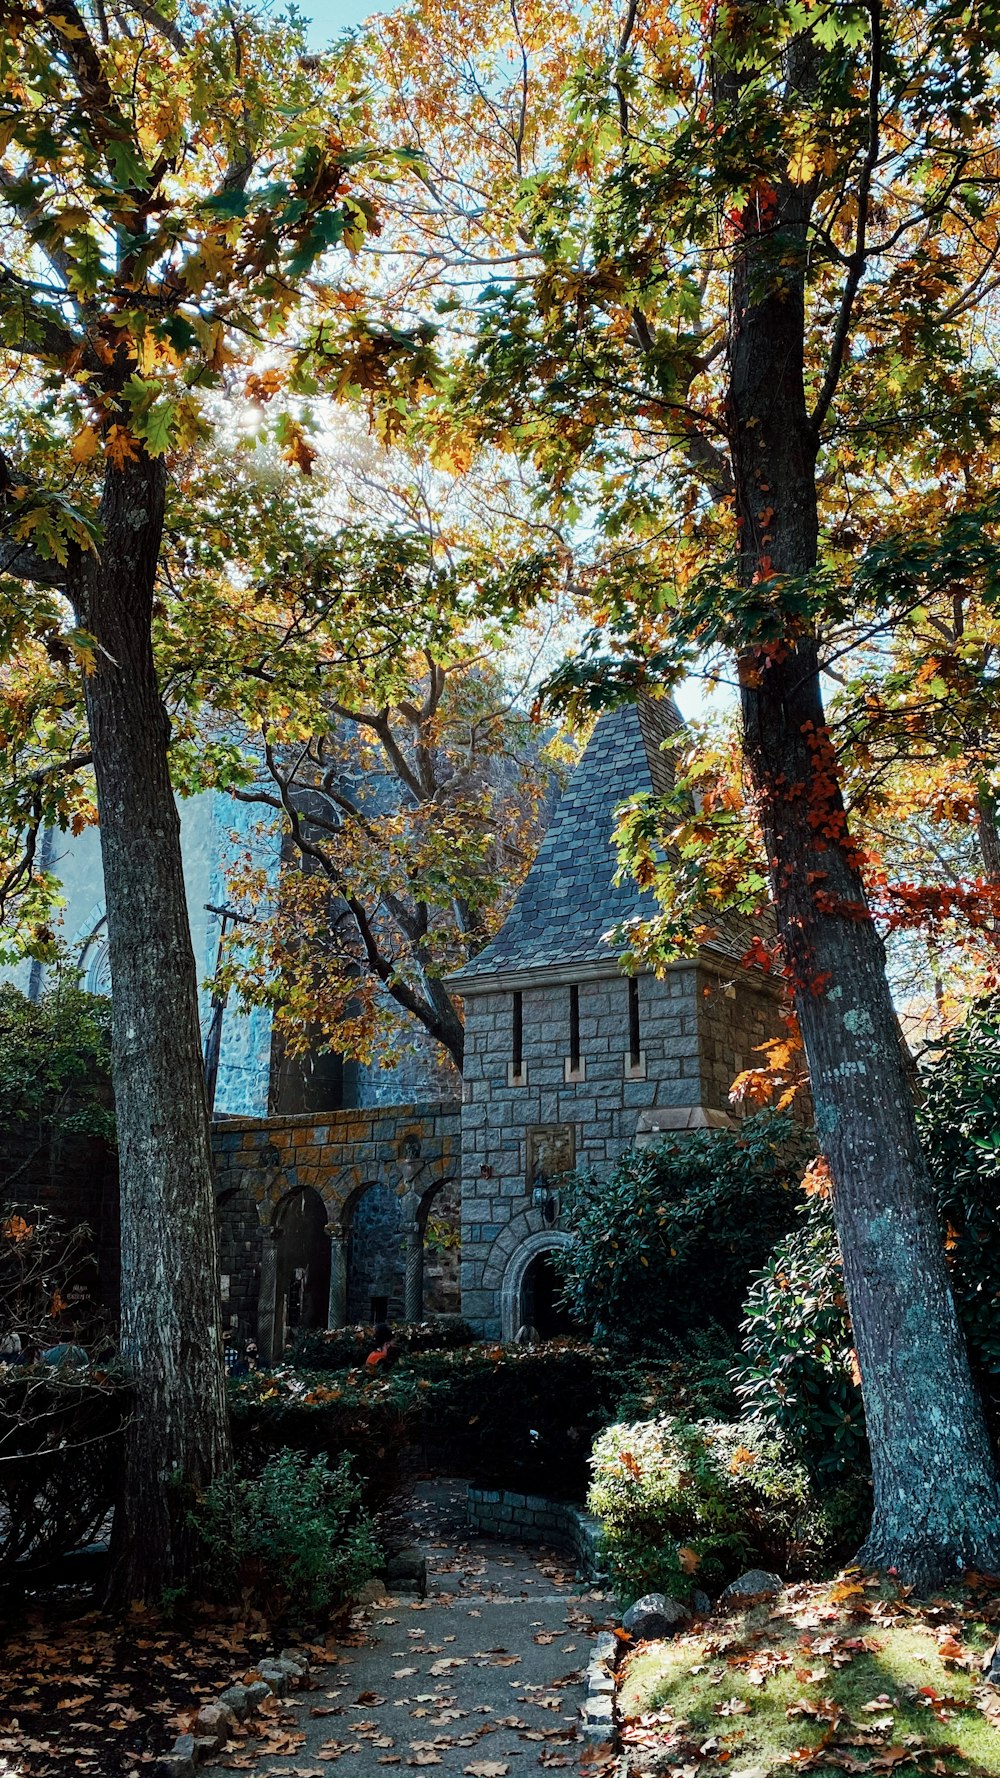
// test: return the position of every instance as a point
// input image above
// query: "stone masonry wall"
(403, 1150)
(694, 1030)
(530, 1518)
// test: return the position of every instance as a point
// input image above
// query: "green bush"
(685, 1506)
(290, 1541)
(959, 1121)
(798, 1368)
(337, 1348)
(507, 1414)
(369, 1420)
(668, 1242)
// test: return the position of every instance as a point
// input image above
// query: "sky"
(330, 17)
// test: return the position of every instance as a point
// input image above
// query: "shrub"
(668, 1242)
(959, 1121)
(369, 1420)
(337, 1348)
(60, 1426)
(690, 1505)
(291, 1540)
(798, 1371)
(60, 1445)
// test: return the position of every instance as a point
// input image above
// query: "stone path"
(483, 1677)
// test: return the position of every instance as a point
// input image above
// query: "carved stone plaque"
(551, 1152)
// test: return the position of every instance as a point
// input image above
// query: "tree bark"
(171, 1334)
(936, 1495)
(989, 831)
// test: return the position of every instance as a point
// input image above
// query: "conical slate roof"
(569, 900)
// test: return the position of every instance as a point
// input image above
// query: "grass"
(849, 1677)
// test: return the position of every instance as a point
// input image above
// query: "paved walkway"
(483, 1677)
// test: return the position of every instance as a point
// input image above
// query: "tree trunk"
(989, 831)
(170, 1321)
(936, 1495)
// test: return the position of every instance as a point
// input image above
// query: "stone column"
(337, 1309)
(267, 1306)
(413, 1239)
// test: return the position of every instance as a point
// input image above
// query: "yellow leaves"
(295, 447)
(454, 456)
(741, 1459)
(84, 445)
(120, 447)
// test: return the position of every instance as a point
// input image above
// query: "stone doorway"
(302, 1264)
(531, 1288)
(541, 1299)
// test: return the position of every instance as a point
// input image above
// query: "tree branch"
(858, 259)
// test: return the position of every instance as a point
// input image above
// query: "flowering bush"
(686, 1506)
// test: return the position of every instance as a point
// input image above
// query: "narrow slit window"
(634, 1033)
(574, 1028)
(517, 1039)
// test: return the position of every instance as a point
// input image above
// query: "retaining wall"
(530, 1518)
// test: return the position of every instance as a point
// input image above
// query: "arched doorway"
(375, 1261)
(531, 1287)
(302, 1265)
(240, 1241)
(541, 1299)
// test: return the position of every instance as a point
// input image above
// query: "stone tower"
(567, 1060)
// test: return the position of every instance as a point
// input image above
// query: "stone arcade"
(353, 1215)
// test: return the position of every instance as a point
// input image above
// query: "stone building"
(336, 1206)
(567, 1062)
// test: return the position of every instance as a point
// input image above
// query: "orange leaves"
(817, 1180)
(16, 1229)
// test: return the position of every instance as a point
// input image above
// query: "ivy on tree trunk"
(936, 1495)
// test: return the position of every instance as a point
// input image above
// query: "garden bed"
(850, 1676)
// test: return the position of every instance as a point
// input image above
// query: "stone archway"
(301, 1266)
(512, 1287)
(373, 1222)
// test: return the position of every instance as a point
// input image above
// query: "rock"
(183, 1747)
(372, 1593)
(297, 1660)
(212, 1727)
(701, 1603)
(274, 1676)
(655, 1615)
(600, 1683)
(605, 1650)
(256, 1692)
(235, 1698)
(406, 1572)
(598, 1716)
(175, 1765)
(991, 1665)
(756, 1583)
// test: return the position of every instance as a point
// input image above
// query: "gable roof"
(569, 900)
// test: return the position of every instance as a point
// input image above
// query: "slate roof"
(569, 899)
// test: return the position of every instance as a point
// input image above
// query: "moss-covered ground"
(854, 1676)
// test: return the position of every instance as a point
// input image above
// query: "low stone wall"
(530, 1518)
